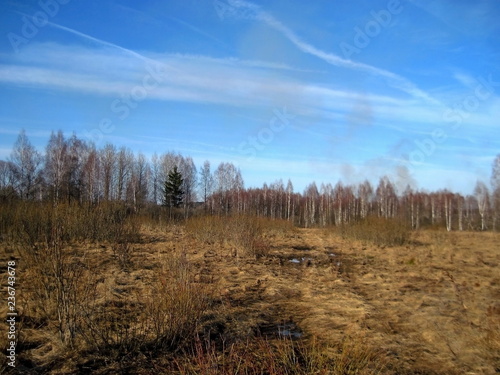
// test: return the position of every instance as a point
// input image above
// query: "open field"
(303, 299)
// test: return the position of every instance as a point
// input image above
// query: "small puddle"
(285, 329)
(289, 330)
(301, 260)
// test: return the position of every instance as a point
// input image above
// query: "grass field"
(275, 300)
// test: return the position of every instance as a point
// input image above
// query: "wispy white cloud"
(108, 71)
(465, 80)
(393, 79)
(97, 40)
(197, 78)
(200, 79)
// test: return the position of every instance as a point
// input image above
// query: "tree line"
(74, 171)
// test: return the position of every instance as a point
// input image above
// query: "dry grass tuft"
(246, 232)
(380, 231)
(256, 356)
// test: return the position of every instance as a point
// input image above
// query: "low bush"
(55, 281)
(208, 229)
(34, 222)
(165, 316)
(380, 231)
(246, 232)
(175, 305)
(73, 311)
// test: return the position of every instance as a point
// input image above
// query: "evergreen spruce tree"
(173, 194)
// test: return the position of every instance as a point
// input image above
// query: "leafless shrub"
(163, 317)
(125, 234)
(53, 281)
(174, 305)
(381, 231)
(277, 227)
(208, 229)
(246, 232)
(30, 223)
(58, 283)
(112, 328)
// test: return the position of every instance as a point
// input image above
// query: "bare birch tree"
(289, 194)
(91, 175)
(311, 196)
(495, 194)
(26, 162)
(448, 199)
(56, 165)
(206, 182)
(108, 162)
(365, 194)
(483, 201)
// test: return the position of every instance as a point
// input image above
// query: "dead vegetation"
(377, 230)
(241, 295)
(242, 232)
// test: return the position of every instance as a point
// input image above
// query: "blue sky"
(312, 91)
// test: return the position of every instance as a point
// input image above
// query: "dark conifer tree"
(173, 194)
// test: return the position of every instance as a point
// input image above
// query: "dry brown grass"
(377, 230)
(256, 356)
(30, 223)
(246, 233)
(197, 299)
(428, 301)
